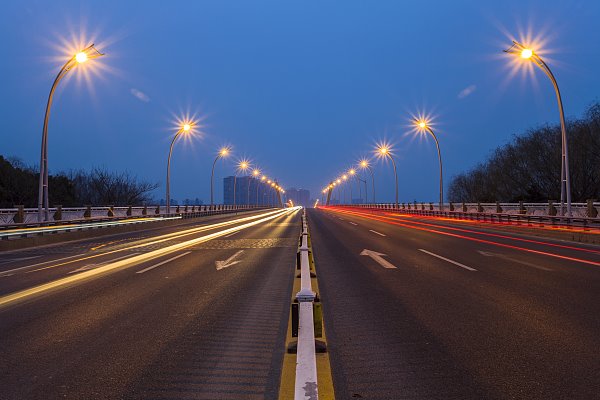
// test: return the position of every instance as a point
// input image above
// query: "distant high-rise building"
(300, 197)
(256, 193)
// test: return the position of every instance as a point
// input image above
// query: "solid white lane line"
(377, 233)
(448, 260)
(352, 223)
(163, 262)
(234, 233)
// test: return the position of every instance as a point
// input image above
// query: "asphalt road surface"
(420, 308)
(158, 314)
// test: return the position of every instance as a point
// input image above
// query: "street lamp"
(423, 126)
(345, 179)
(385, 151)
(255, 174)
(223, 152)
(364, 165)
(527, 54)
(243, 165)
(352, 173)
(262, 180)
(186, 128)
(89, 53)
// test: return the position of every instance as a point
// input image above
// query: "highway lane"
(194, 323)
(455, 316)
(34, 266)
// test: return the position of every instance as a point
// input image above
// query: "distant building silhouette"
(266, 195)
(300, 197)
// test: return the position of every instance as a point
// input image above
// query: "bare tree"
(528, 168)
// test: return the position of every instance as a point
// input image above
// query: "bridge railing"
(20, 216)
(583, 214)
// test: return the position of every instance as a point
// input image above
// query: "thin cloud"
(467, 91)
(140, 95)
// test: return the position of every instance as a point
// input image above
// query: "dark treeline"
(99, 187)
(528, 168)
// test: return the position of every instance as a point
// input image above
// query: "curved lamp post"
(384, 151)
(345, 179)
(352, 173)
(242, 166)
(223, 152)
(262, 181)
(423, 126)
(89, 53)
(519, 50)
(186, 128)
(364, 165)
(255, 175)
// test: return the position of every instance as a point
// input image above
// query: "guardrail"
(501, 213)
(27, 217)
(306, 362)
(590, 209)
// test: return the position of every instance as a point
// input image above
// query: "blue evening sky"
(302, 88)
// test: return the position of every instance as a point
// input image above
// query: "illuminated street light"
(84, 55)
(223, 152)
(364, 165)
(243, 165)
(384, 151)
(186, 128)
(528, 54)
(255, 174)
(423, 126)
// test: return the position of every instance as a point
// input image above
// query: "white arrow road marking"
(163, 262)
(508, 258)
(352, 223)
(448, 260)
(378, 257)
(377, 233)
(229, 262)
(91, 266)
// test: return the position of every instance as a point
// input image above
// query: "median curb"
(293, 365)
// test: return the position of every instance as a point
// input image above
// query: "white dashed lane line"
(448, 260)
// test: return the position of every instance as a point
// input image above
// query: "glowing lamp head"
(256, 172)
(244, 165)
(263, 178)
(186, 127)
(81, 57)
(352, 171)
(269, 181)
(364, 163)
(272, 184)
(339, 181)
(344, 177)
(526, 53)
(384, 151)
(224, 152)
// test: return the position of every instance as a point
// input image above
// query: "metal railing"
(27, 217)
(584, 215)
(306, 361)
